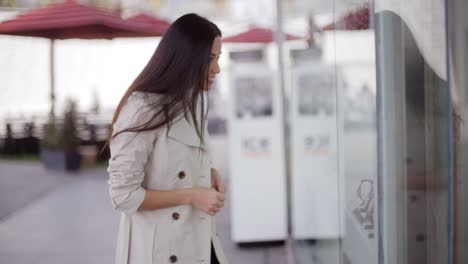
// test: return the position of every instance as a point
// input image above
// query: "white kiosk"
(314, 155)
(256, 160)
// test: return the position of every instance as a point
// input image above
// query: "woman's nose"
(216, 69)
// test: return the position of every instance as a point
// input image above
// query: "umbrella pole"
(52, 79)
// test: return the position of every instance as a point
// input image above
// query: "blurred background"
(338, 126)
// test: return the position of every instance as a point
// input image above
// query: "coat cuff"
(133, 202)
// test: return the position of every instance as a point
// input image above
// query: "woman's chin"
(209, 86)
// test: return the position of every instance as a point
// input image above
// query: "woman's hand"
(216, 181)
(206, 199)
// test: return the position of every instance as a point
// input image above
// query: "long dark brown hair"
(178, 70)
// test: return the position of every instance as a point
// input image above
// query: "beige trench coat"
(159, 160)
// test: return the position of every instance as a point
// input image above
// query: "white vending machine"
(256, 160)
(315, 198)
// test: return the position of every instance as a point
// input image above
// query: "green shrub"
(62, 135)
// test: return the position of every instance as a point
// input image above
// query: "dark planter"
(60, 160)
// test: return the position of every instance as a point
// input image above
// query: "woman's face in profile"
(213, 69)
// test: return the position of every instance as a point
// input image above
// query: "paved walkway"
(50, 217)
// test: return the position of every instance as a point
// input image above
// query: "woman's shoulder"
(145, 96)
(137, 109)
(141, 102)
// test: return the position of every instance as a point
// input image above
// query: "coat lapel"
(184, 131)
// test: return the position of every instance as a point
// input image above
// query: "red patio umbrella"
(154, 24)
(69, 20)
(257, 35)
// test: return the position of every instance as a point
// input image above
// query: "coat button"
(173, 259)
(176, 216)
(181, 175)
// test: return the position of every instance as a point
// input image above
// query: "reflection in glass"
(401, 133)
(337, 98)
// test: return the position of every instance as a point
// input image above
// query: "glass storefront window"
(398, 141)
(333, 137)
(414, 118)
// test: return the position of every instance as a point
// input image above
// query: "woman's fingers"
(217, 206)
(217, 182)
(221, 188)
(215, 209)
(213, 212)
(220, 197)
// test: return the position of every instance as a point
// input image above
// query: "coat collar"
(183, 129)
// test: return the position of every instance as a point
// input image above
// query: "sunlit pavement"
(52, 217)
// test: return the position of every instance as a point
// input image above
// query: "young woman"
(161, 177)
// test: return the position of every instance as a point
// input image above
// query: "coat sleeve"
(129, 155)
